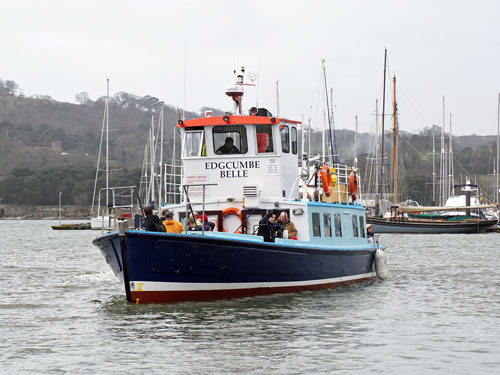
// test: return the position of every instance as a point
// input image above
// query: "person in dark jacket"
(208, 225)
(151, 222)
(267, 227)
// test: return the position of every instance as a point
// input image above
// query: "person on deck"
(192, 225)
(228, 147)
(369, 232)
(171, 225)
(151, 222)
(286, 224)
(267, 227)
(207, 225)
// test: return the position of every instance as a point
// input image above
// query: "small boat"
(401, 221)
(76, 226)
(236, 187)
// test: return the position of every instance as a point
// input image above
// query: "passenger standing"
(287, 225)
(267, 227)
(152, 222)
(171, 225)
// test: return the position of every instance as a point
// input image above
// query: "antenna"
(185, 73)
(277, 99)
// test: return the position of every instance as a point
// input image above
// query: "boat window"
(194, 144)
(230, 139)
(294, 141)
(264, 138)
(362, 226)
(316, 224)
(355, 226)
(285, 138)
(338, 225)
(327, 222)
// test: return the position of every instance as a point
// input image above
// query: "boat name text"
(232, 169)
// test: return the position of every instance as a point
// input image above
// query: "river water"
(63, 311)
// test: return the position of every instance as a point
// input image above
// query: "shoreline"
(30, 212)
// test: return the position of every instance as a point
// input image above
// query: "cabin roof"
(233, 120)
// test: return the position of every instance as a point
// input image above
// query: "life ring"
(232, 211)
(326, 180)
(353, 185)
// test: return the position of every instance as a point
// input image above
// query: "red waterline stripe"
(211, 295)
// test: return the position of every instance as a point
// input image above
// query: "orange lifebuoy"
(326, 180)
(353, 185)
(232, 211)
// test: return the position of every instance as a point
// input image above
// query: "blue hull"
(162, 267)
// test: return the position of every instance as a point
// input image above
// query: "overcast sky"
(435, 49)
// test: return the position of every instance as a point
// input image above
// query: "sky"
(185, 52)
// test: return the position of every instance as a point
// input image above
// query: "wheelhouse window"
(285, 138)
(362, 226)
(194, 143)
(294, 141)
(264, 138)
(316, 224)
(230, 139)
(338, 225)
(327, 222)
(355, 226)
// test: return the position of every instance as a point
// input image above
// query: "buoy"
(326, 180)
(381, 265)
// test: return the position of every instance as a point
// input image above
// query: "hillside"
(48, 146)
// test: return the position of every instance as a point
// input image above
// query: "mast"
(355, 161)
(152, 159)
(328, 111)
(498, 149)
(107, 142)
(103, 130)
(395, 143)
(450, 164)
(377, 169)
(443, 164)
(433, 169)
(161, 198)
(335, 158)
(382, 177)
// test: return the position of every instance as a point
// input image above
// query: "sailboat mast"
(377, 169)
(107, 142)
(450, 163)
(334, 157)
(382, 177)
(395, 143)
(433, 168)
(161, 199)
(152, 159)
(355, 164)
(443, 163)
(498, 149)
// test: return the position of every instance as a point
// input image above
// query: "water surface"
(63, 311)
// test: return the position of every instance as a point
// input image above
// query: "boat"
(407, 217)
(72, 226)
(236, 191)
(75, 226)
(401, 222)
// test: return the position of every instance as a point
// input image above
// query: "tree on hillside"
(83, 98)
(11, 87)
